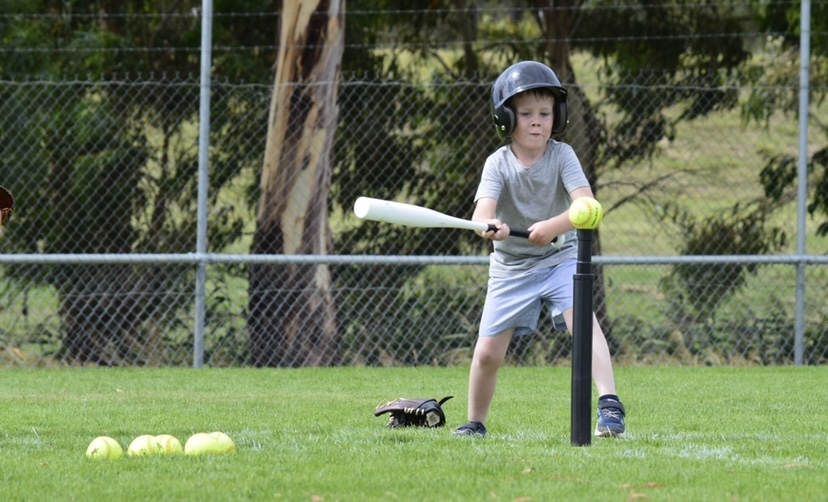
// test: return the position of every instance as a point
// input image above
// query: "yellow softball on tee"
(585, 213)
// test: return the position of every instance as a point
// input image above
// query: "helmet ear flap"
(504, 121)
(561, 116)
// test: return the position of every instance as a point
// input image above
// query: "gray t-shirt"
(527, 195)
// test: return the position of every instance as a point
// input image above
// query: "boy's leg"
(512, 302)
(488, 355)
(602, 373)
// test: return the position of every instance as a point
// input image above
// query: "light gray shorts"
(516, 301)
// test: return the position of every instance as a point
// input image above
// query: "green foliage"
(659, 56)
(444, 310)
(773, 75)
(126, 120)
(743, 338)
(694, 434)
(119, 171)
(740, 231)
(645, 36)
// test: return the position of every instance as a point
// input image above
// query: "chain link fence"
(105, 174)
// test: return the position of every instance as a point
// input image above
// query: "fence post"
(802, 168)
(203, 163)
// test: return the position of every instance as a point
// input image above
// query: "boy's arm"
(543, 232)
(581, 192)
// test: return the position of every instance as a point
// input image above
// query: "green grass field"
(730, 434)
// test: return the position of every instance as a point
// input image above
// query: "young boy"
(530, 184)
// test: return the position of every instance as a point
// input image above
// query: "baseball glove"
(6, 205)
(414, 412)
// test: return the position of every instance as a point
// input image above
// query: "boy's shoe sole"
(607, 433)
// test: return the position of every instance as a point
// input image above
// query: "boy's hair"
(522, 77)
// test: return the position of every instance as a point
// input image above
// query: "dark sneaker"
(610, 419)
(475, 429)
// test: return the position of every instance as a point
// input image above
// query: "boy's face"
(534, 114)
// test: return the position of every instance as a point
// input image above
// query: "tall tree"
(292, 320)
(116, 170)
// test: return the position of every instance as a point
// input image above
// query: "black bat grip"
(517, 232)
(514, 232)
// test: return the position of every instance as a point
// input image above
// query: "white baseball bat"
(410, 215)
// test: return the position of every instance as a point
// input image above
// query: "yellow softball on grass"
(104, 448)
(585, 213)
(142, 445)
(225, 443)
(168, 444)
(201, 443)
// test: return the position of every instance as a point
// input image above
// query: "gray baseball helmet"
(520, 77)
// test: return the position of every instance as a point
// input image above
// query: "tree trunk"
(557, 23)
(292, 314)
